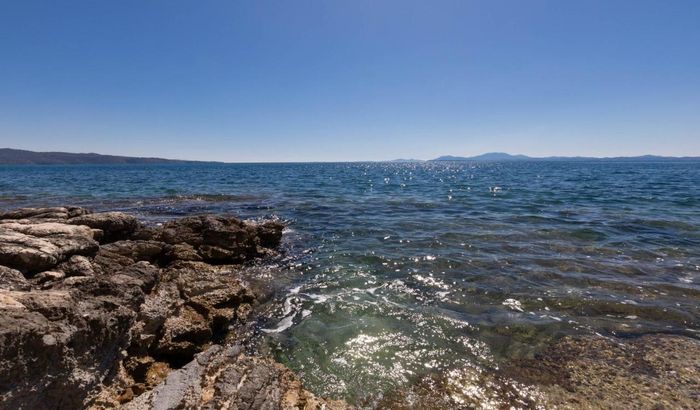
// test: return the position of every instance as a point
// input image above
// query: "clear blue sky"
(350, 80)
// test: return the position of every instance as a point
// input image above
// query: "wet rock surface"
(98, 310)
(651, 371)
(648, 372)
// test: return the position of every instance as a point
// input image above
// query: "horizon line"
(479, 157)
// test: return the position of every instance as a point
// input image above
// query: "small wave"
(513, 304)
(283, 324)
(215, 197)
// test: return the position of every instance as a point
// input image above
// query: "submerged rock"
(96, 309)
(651, 371)
(647, 372)
(466, 388)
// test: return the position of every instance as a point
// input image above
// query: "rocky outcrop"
(218, 239)
(57, 344)
(97, 308)
(191, 308)
(34, 247)
(44, 214)
(114, 225)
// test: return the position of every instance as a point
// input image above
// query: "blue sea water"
(395, 271)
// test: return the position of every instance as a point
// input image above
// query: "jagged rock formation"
(96, 309)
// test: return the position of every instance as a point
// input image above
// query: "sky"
(250, 81)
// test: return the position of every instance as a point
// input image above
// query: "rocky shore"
(98, 310)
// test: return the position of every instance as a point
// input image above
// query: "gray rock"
(49, 276)
(57, 345)
(12, 279)
(137, 250)
(182, 252)
(46, 229)
(225, 377)
(218, 239)
(54, 213)
(33, 248)
(115, 225)
(193, 302)
(77, 265)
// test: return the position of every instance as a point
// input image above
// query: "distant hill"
(407, 160)
(490, 156)
(502, 156)
(9, 156)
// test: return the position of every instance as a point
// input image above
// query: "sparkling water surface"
(395, 271)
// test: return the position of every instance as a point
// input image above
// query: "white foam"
(317, 298)
(283, 324)
(514, 304)
(287, 306)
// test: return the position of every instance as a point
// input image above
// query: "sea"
(393, 272)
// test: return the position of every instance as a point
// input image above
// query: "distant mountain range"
(502, 156)
(9, 156)
(491, 156)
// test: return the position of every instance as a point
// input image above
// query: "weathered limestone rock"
(57, 345)
(137, 250)
(77, 265)
(189, 310)
(89, 300)
(12, 279)
(115, 225)
(49, 276)
(182, 252)
(224, 377)
(218, 239)
(35, 247)
(54, 213)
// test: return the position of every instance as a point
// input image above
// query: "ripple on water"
(394, 274)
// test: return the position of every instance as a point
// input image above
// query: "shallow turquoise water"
(394, 271)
